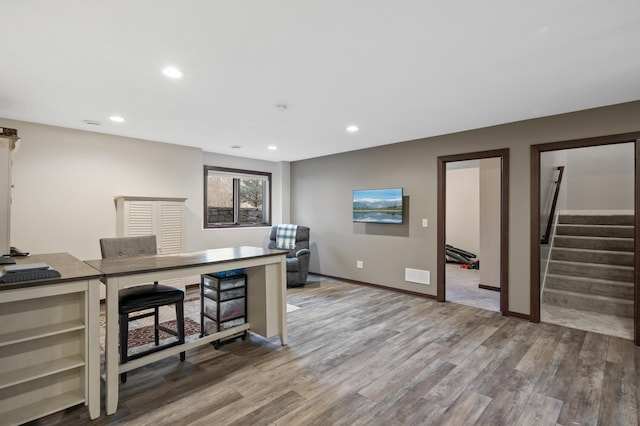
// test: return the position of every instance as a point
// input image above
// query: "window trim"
(236, 201)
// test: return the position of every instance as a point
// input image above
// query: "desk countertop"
(119, 266)
(71, 269)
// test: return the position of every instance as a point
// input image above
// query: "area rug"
(143, 335)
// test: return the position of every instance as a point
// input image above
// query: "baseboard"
(380, 286)
(489, 287)
(519, 315)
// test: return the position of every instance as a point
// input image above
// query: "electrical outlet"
(359, 264)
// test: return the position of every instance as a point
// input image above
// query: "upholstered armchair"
(297, 258)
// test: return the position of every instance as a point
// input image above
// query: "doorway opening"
(470, 288)
(579, 262)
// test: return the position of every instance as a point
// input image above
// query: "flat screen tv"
(377, 205)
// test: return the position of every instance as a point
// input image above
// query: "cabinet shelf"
(226, 319)
(38, 371)
(39, 332)
(49, 345)
(41, 408)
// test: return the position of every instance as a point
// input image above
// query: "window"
(236, 198)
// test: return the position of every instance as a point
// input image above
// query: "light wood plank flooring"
(366, 356)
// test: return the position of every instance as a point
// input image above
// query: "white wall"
(595, 178)
(490, 203)
(473, 213)
(66, 180)
(600, 178)
(5, 194)
(463, 208)
(549, 163)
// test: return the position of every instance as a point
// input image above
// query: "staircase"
(591, 264)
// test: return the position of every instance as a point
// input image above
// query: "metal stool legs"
(124, 336)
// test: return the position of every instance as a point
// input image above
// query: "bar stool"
(143, 298)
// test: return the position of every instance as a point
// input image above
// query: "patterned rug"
(143, 335)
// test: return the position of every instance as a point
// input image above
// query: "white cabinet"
(162, 217)
(49, 343)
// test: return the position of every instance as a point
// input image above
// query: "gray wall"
(321, 198)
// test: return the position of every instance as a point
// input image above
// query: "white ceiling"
(400, 70)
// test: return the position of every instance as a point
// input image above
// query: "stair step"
(618, 231)
(616, 219)
(589, 302)
(577, 269)
(594, 243)
(603, 257)
(619, 289)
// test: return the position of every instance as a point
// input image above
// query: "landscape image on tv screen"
(377, 205)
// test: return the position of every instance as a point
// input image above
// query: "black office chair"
(143, 298)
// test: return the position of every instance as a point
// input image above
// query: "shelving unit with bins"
(223, 303)
(49, 348)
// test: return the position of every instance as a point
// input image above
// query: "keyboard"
(29, 276)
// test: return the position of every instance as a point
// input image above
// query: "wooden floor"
(365, 356)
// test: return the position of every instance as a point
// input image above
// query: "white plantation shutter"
(170, 234)
(140, 222)
(162, 217)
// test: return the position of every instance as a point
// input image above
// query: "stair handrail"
(552, 213)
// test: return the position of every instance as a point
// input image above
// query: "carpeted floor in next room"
(462, 287)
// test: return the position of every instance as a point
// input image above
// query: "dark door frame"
(536, 150)
(503, 154)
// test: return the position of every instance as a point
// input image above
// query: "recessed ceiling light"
(117, 119)
(352, 128)
(272, 147)
(172, 72)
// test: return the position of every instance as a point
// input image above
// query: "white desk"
(266, 297)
